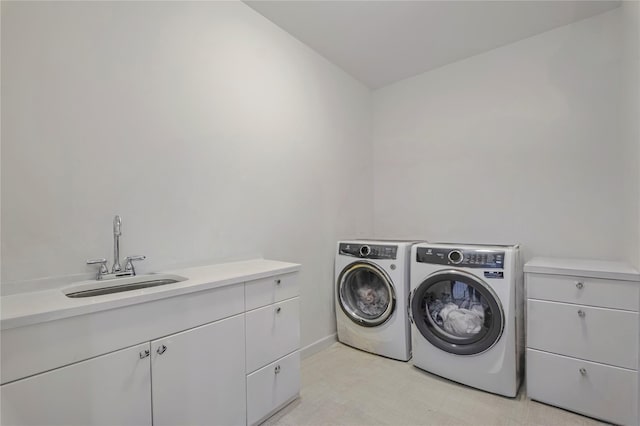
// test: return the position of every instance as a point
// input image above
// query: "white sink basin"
(98, 288)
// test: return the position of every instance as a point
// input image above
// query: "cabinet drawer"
(272, 332)
(601, 391)
(585, 291)
(270, 290)
(598, 334)
(272, 386)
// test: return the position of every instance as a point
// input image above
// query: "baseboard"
(318, 345)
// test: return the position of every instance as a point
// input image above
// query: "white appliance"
(466, 314)
(372, 292)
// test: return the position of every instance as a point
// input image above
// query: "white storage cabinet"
(195, 381)
(273, 346)
(192, 368)
(583, 336)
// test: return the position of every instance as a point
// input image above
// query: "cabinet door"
(272, 386)
(272, 332)
(112, 389)
(199, 375)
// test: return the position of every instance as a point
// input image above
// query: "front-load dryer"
(466, 314)
(371, 296)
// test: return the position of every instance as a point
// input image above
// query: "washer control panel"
(488, 259)
(368, 251)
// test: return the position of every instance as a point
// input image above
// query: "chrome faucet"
(117, 232)
(116, 269)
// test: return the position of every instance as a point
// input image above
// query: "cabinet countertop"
(24, 309)
(583, 268)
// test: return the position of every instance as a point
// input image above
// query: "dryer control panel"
(487, 259)
(369, 251)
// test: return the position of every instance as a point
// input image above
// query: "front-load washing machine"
(371, 297)
(466, 313)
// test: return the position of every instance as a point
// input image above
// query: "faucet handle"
(103, 266)
(128, 265)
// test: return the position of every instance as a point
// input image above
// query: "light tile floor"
(345, 386)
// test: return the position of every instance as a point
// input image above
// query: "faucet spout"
(116, 270)
(117, 232)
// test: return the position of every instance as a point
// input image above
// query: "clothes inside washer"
(371, 300)
(456, 308)
(462, 322)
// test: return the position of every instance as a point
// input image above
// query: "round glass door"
(365, 294)
(457, 312)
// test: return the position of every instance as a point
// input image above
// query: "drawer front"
(272, 386)
(596, 334)
(270, 290)
(601, 391)
(272, 332)
(584, 291)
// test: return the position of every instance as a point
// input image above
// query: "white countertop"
(47, 305)
(583, 268)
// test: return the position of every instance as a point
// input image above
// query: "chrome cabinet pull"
(277, 369)
(161, 349)
(581, 313)
(583, 371)
(278, 309)
(579, 285)
(144, 354)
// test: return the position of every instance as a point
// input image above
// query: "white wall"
(631, 116)
(214, 134)
(520, 144)
(218, 136)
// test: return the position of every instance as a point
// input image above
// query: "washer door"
(365, 294)
(457, 312)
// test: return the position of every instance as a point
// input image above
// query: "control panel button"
(365, 250)
(455, 256)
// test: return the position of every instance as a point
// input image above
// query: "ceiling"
(381, 42)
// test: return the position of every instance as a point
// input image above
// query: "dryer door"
(457, 312)
(365, 294)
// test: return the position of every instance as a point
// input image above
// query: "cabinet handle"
(277, 369)
(579, 285)
(277, 282)
(581, 313)
(583, 371)
(278, 309)
(144, 354)
(161, 349)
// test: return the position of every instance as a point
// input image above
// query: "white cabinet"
(273, 343)
(112, 389)
(583, 331)
(184, 362)
(198, 375)
(198, 378)
(272, 386)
